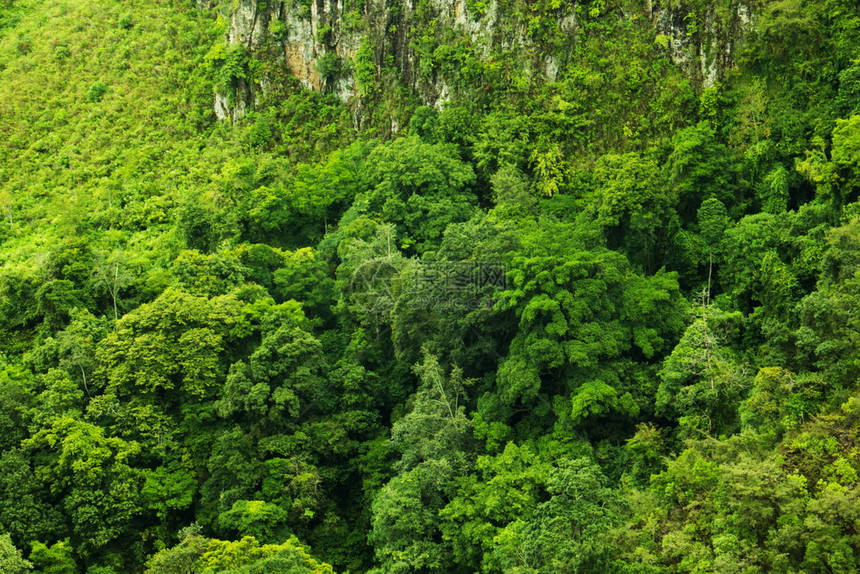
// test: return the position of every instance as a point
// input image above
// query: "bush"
(261, 131)
(96, 92)
(329, 66)
(24, 45)
(62, 53)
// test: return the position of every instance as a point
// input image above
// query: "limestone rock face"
(319, 40)
(705, 50)
(247, 24)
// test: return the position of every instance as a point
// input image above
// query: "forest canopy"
(537, 288)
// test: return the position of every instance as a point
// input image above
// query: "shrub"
(329, 66)
(24, 45)
(61, 53)
(96, 92)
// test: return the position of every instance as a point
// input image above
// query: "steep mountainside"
(429, 287)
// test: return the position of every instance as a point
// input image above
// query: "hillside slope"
(429, 287)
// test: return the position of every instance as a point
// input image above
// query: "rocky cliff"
(342, 46)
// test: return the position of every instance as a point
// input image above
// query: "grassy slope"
(71, 163)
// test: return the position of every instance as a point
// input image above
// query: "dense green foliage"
(607, 321)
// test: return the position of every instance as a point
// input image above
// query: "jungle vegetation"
(604, 323)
